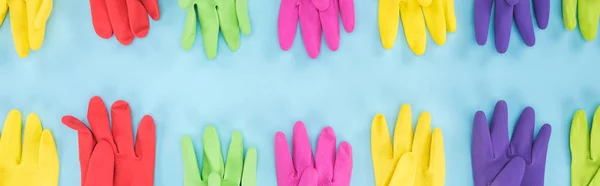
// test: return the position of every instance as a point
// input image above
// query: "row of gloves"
(108, 155)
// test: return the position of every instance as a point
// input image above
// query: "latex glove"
(505, 11)
(438, 14)
(585, 156)
(124, 18)
(214, 172)
(34, 163)
(28, 22)
(417, 161)
(588, 13)
(331, 169)
(228, 15)
(110, 158)
(496, 161)
(315, 16)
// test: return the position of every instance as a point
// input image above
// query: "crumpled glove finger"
(212, 160)
(588, 19)
(189, 31)
(569, 9)
(522, 138)
(152, 8)
(241, 8)
(524, 22)
(100, 167)
(325, 155)
(18, 26)
(287, 23)
(120, 22)
(40, 12)
(451, 15)
(482, 15)
(414, 26)
(235, 160)
(100, 19)
(209, 23)
(138, 18)
(541, 9)
(436, 21)
(512, 174)
(502, 25)
(310, 25)
(330, 24)
(229, 23)
(388, 20)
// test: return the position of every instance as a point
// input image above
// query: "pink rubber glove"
(315, 15)
(330, 169)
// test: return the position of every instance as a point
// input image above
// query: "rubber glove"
(505, 10)
(110, 158)
(331, 169)
(34, 163)
(214, 172)
(498, 162)
(229, 15)
(315, 16)
(438, 14)
(588, 15)
(28, 22)
(124, 18)
(584, 162)
(417, 161)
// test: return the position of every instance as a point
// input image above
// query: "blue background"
(261, 89)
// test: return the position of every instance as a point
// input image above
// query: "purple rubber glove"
(504, 13)
(498, 162)
(315, 16)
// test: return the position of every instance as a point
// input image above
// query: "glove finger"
(214, 179)
(189, 32)
(241, 8)
(191, 172)
(19, 28)
(283, 160)
(86, 142)
(10, 143)
(35, 33)
(541, 9)
(3, 10)
(483, 11)
(145, 149)
(595, 135)
(122, 131)
(120, 21)
(209, 23)
(524, 22)
(406, 171)
(43, 14)
(303, 155)
(235, 160)
(414, 26)
(481, 144)
(287, 22)
(212, 161)
(381, 149)
(229, 24)
(100, 19)
(580, 137)
(31, 144)
(436, 21)
(309, 177)
(331, 26)
(522, 138)
(326, 155)
(502, 25)
(348, 15)
(511, 174)
(595, 180)
(98, 119)
(569, 8)
(48, 160)
(138, 18)
(310, 24)
(152, 8)
(588, 21)
(437, 161)
(499, 129)
(451, 16)
(101, 166)
(403, 132)
(388, 20)
(422, 142)
(249, 175)
(540, 146)
(343, 165)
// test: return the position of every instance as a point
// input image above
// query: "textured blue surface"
(260, 89)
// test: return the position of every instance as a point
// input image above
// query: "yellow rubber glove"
(437, 14)
(28, 22)
(37, 164)
(417, 161)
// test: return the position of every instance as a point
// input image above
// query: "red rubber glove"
(125, 18)
(109, 159)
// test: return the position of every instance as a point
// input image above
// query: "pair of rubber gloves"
(28, 22)
(504, 13)
(411, 160)
(235, 172)
(497, 161)
(35, 162)
(229, 16)
(585, 152)
(316, 17)
(587, 12)
(328, 169)
(437, 14)
(107, 156)
(125, 18)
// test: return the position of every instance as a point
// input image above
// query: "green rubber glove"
(228, 15)
(214, 172)
(588, 13)
(585, 151)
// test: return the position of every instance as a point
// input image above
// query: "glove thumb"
(405, 171)
(511, 174)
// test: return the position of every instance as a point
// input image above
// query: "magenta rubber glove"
(330, 169)
(315, 16)
(498, 162)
